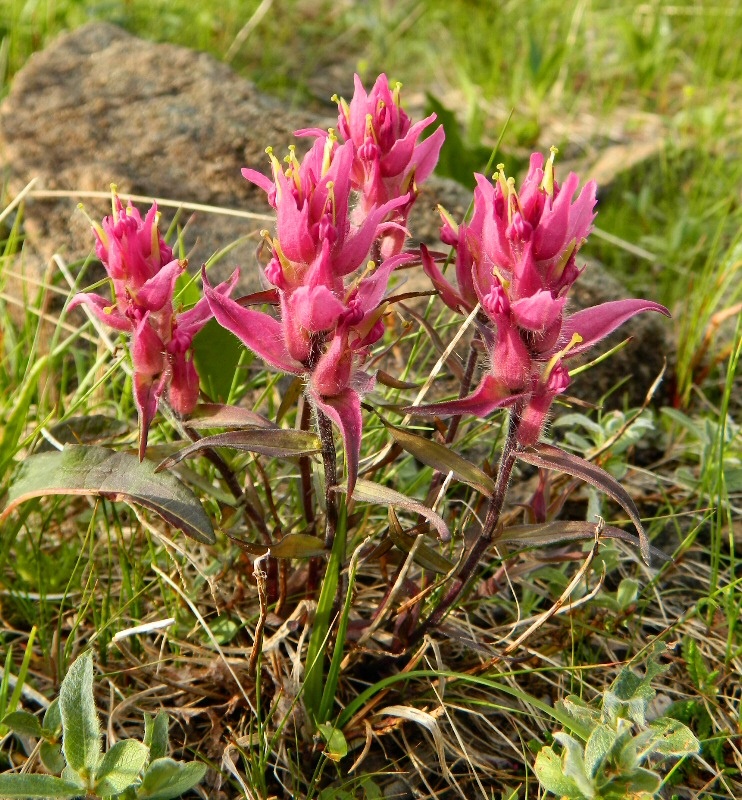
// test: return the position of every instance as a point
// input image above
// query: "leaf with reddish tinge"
(118, 476)
(370, 492)
(293, 545)
(219, 415)
(424, 555)
(550, 533)
(442, 458)
(550, 457)
(394, 383)
(277, 442)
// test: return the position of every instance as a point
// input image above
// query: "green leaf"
(669, 738)
(546, 534)
(51, 756)
(26, 786)
(550, 773)
(458, 159)
(336, 747)
(442, 459)
(52, 718)
(425, 556)
(69, 775)
(638, 783)
(23, 722)
(81, 737)
(586, 716)
(166, 778)
(277, 442)
(573, 763)
(694, 661)
(293, 545)
(120, 767)
(598, 748)
(627, 593)
(298, 545)
(158, 740)
(117, 476)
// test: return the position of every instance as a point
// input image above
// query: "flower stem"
(487, 534)
(329, 462)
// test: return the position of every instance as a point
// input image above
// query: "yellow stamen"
(547, 184)
(114, 210)
(396, 93)
(102, 235)
(370, 269)
(575, 340)
(327, 152)
(155, 234)
(449, 219)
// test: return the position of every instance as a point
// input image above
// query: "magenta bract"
(516, 257)
(143, 272)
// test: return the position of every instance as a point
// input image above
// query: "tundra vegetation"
(344, 537)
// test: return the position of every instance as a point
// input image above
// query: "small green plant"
(610, 763)
(71, 749)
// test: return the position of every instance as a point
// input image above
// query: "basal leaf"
(26, 786)
(425, 556)
(298, 545)
(80, 724)
(546, 534)
(91, 429)
(166, 778)
(550, 457)
(121, 766)
(117, 476)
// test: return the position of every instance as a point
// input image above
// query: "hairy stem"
(487, 534)
(329, 462)
(453, 427)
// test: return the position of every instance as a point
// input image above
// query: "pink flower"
(389, 162)
(516, 258)
(329, 315)
(143, 273)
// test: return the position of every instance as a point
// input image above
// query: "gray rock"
(100, 106)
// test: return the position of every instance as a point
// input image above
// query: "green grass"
(582, 76)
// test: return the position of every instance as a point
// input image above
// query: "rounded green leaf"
(121, 766)
(166, 778)
(23, 722)
(51, 756)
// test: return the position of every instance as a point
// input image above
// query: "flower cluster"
(143, 273)
(389, 162)
(516, 259)
(330, 315)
